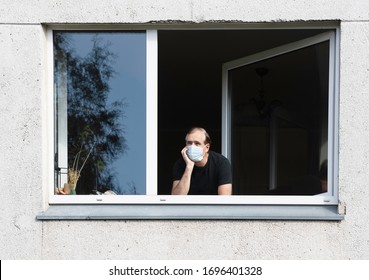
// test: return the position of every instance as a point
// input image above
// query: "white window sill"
(192, 212)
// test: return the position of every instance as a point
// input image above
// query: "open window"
(124, 100)
(278, 116)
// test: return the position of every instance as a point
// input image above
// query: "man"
(201, 171)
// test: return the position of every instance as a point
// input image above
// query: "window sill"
(191, 212)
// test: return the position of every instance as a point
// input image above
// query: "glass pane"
(100, 107)
(280, 123)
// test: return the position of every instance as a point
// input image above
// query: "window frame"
(151, 120)
(331, 197)
(151, 144)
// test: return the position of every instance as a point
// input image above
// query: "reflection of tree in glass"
(132, 189)
(94, 128)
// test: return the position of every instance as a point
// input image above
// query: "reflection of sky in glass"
(129, 83)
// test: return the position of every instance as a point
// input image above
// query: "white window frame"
(331, 198)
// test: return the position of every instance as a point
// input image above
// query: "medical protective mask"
(195, 153)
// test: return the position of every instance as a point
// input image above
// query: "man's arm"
(182, 187)
(225, 189)
(225, 177)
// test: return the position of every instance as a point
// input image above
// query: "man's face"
(197, 138)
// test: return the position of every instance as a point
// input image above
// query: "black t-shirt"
(205, 180)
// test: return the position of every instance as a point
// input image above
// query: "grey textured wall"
(23, 123)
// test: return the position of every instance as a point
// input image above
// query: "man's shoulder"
(217, 156)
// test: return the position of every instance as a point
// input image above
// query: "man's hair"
(207, 136)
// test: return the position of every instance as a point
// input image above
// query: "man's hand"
(189, 163)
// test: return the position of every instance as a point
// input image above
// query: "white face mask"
(195, 153)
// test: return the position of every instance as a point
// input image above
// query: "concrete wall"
(22, 153)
